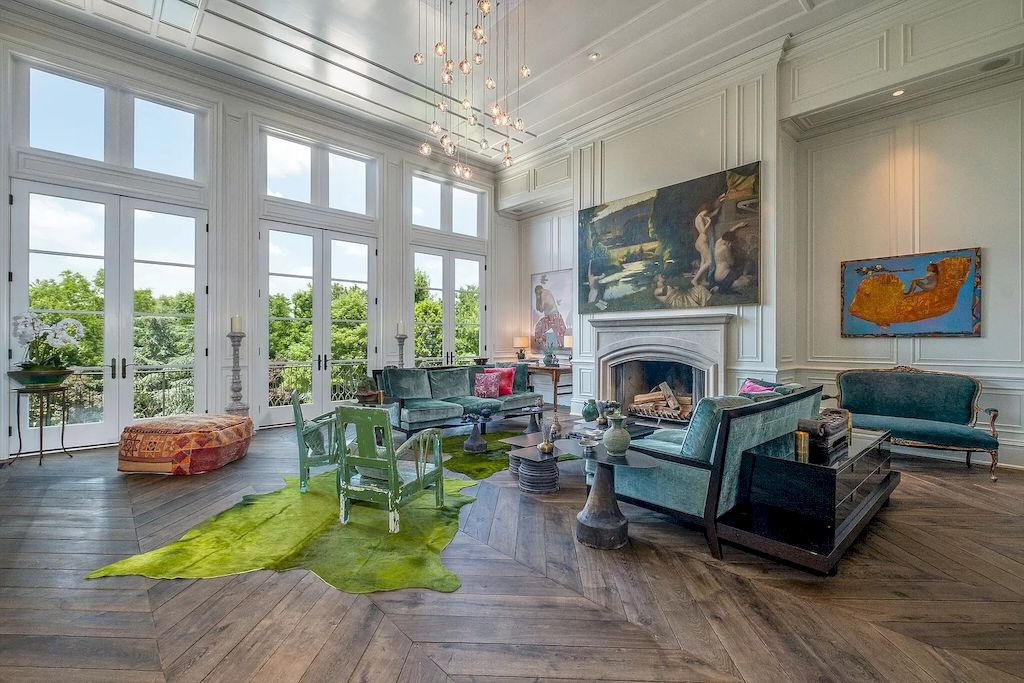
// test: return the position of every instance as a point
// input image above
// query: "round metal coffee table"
(601, 524)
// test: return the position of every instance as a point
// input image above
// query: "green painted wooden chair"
(318, 441)
(372, 469)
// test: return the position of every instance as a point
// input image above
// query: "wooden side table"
(45, 395)
(555, 372)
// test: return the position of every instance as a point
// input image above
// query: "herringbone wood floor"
(933, 591)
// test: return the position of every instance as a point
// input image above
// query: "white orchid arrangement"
(43, 343)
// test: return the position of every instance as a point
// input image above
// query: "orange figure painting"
(936, 294)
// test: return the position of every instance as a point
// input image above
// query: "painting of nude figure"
(690, 245)
(937, 294)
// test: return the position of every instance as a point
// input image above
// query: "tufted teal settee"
(921, 408)
(698, 476)
(420, 398)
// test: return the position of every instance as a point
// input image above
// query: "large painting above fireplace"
(689, 245)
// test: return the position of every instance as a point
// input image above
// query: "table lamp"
(520, 344)
(567, 343)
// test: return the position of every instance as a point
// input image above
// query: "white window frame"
(320, 189)
(118, 121)
(446, 230)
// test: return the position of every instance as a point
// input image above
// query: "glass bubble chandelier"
(473, 69)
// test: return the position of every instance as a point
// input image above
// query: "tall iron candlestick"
(236, 406)
(400, 338)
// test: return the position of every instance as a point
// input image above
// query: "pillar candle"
(236, 323)
(400, 328)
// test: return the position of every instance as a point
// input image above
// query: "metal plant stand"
(45, 394)
(237, 406)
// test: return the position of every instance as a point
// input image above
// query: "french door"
(447, 307)
(321, 316)
(133, 272)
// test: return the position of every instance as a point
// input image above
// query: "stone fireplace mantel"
(696, 339)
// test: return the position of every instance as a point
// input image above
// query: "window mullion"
(321, 182)
(446, 207)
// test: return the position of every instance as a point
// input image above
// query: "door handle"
(327, 363)
(113, 368)
(318, 362)
(124, 368)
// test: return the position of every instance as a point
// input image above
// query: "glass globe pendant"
(466, 104)
(484, 145)
(445, 140)
(457, 170)
(450, 149)
(524, 71)
(446, 78)
(417, 58)
(442, 105)
(467, 173)
(440, 49)
(449, 66)
(425, 149)
(495, 109)
(507, 161)
(518, 124)
(435, 127)
(465, 67)
(484, 6)
(472, 120)
(490, 84)
(478, 58)
(505, 147)
(478, 34)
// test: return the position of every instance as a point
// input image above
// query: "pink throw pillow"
(486, 385)
(751, 387)
(507, 376)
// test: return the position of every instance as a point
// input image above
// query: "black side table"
(601, 524)
(45, 395)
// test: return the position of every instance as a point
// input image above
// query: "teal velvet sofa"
(420, 398)
(921, 408)
(697, 478)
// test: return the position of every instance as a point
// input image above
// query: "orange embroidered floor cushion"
(184, 444)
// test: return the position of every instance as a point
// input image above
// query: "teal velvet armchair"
(697, 478)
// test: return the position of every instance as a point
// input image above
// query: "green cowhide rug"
(289, 530)
(481, 465)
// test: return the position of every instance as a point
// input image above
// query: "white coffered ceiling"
(356, 54)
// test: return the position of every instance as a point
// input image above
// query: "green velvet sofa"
(921, 408)
(419, 398)
(698, 477)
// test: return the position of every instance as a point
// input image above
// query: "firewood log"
(670, 395)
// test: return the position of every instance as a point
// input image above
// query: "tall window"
(314, 173)
(73, 117)
(165, 139)
(444, 207)
(447, 305)
(66, 115)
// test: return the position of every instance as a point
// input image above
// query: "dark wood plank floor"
(933, 591)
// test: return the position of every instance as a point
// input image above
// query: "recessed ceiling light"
(897, 93)
(594, 56)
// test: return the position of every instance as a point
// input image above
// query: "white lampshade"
(567, 341)
(520, 342)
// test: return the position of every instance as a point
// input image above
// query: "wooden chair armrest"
(993, 415)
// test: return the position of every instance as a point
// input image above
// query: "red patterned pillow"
(507, 376)
(486, 385)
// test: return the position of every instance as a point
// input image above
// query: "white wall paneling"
(945, 176)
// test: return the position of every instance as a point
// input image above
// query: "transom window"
(71, 116)
(313, 173)
(445, 207)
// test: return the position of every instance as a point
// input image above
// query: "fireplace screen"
(663, 390)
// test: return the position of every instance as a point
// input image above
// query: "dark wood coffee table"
(809, 514)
